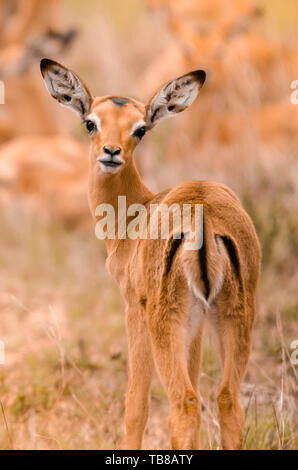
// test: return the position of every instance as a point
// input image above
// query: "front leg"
(140, 369)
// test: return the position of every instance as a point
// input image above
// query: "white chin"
(109, 169)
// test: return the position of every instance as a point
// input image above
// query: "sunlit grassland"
(62, 317)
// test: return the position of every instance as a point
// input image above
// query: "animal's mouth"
(111, 163)
(108, 162)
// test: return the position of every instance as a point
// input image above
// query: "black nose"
(112, 150)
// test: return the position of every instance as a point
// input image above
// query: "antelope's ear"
(66, 87)
(174, 97)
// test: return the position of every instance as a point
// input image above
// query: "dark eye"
(90, 126)
(140, 132)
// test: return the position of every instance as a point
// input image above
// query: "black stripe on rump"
(232, 253)
(171, 254)
(202, 253)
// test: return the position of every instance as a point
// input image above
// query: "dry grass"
(64, 379)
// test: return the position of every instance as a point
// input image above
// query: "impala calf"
(170, 291)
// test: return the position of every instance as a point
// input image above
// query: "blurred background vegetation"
(63, 382)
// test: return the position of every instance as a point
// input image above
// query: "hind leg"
(196, 322)
(140, 369)
(234, 334)
(167, 326)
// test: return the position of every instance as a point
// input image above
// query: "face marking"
(94, 118)
(116, 125)
(138, 124)
(119, 101)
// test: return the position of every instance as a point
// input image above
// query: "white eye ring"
(95, 119)
(138, 124)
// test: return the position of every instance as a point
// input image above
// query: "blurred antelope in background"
(243, 60)
(45, 175)
(38, 162)
(169, 291)
(30, 29)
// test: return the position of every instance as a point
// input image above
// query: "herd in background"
(42, 166)
(248, 94)
(245, 107)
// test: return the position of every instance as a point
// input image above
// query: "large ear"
(66, 87)
(174, 97)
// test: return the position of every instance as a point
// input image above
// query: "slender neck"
(106, 188)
